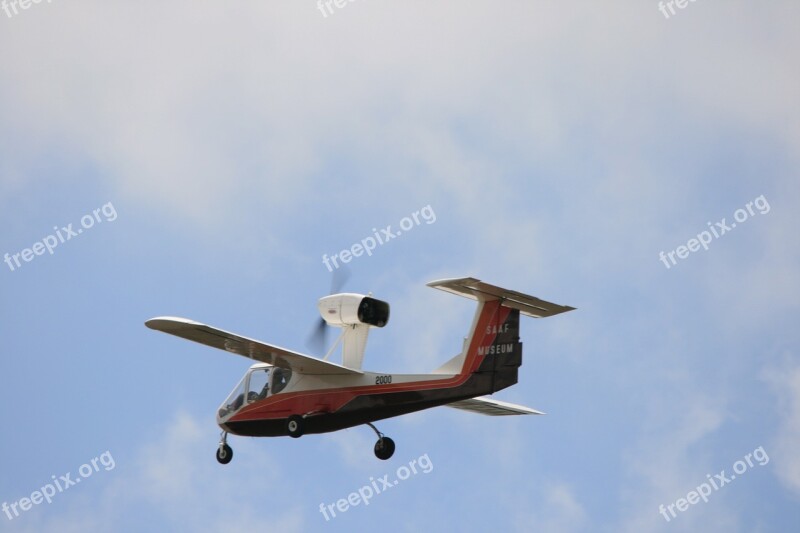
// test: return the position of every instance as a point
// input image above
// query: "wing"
(487, 406)
(266, 353)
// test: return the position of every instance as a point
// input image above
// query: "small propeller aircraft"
(290, 393)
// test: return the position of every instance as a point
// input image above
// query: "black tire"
(224, 454)
(384, 448)
(295, 426)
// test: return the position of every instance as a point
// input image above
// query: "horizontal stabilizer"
(487, 406)
(478, 290)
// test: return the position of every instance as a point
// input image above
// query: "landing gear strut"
(224, 452)
(384, 448)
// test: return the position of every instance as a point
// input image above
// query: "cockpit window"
(280, 378)
(259, 385)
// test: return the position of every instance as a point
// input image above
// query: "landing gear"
(295, 425)
(384, 448)
(224, 452)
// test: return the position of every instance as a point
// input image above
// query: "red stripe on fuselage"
(331, 400)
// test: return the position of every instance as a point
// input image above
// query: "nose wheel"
(224, 452)
(384, 448)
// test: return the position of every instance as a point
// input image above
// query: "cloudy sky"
(212, 152)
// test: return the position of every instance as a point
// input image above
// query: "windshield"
(257, 383)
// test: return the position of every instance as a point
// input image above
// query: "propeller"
(318, 339)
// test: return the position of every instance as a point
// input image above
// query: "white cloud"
(176, 480)
(785, 451)
(670, 458)
(557, 510)
(196, 108)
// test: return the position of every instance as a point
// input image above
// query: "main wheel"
(384, 448)
(224, 454)
(295, 426)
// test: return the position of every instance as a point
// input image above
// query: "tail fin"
(493, 344)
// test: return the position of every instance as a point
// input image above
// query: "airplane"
(290, 393)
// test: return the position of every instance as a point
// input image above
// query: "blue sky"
(561, 147)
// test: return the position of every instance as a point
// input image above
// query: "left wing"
(266, 353)
(487, 406)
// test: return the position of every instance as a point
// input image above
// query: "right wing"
(487, 406)
(259, 351)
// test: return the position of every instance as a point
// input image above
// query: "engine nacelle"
(348, 309)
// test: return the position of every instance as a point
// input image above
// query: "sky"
(593, 154)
